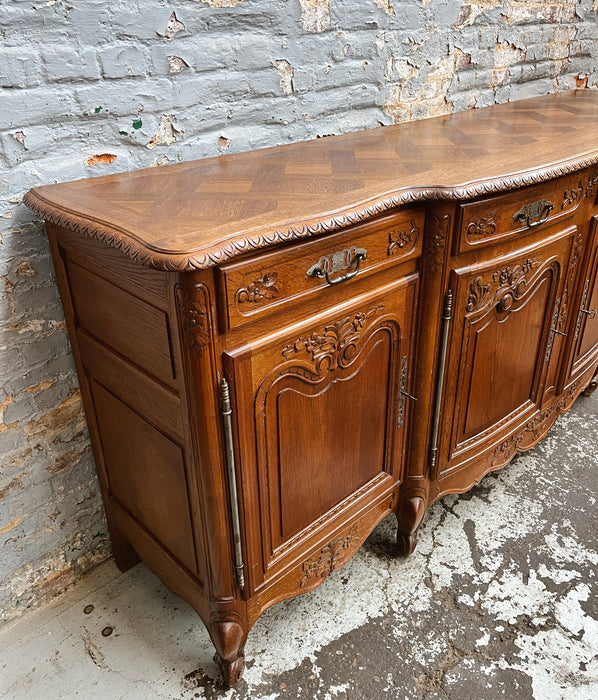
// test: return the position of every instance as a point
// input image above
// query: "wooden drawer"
(253, 287)
(488, 220)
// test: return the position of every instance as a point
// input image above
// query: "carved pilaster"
(193, 312)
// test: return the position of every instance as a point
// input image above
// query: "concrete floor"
(498, 601)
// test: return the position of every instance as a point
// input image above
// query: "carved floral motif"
(263, 288)
(337, 345)
(329, 559)
(511, 284)
(398, 239)
(486, 226)
(592, 183)
(513, 276)
(193, 316)
(572, 195)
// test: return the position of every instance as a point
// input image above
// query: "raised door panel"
(504, 349)
(321, 419)
(585, 330)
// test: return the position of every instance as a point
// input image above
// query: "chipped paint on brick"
(471, 11)
(159, 161)
(13, 486)
(19, 136)
(315, 15)
(67, 460)
(173, 27)
(102, 158)
(175, 65)
(221, 3)
(25, 269)
(285, 75)
(52, 424)
(11, 525)
(167, 133)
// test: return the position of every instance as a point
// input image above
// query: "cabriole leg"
(409, 517)
(229, 640)
(592, 386)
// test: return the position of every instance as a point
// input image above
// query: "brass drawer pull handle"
(535, 213)
(338, 262)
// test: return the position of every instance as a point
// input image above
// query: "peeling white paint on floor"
(498, 600)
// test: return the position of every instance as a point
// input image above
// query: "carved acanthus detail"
(477, 294)
(266, 287)
(536, 426)
(193, 315)
(337, 345)
(398, 239)
(486, 226)
(334, 555)
(572, 195)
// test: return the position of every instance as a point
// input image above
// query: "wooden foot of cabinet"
(124, 555)
(592, 386)
(229, 639)
(409, 517)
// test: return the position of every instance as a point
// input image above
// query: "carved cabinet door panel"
(504, 349)
(321, 411)
(585, 325)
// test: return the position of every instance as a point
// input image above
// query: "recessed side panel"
(124, 322)
(146, 474)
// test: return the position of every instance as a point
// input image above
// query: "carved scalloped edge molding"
(262, 238)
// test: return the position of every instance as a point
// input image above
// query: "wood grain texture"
(469, 327)
(198, 214)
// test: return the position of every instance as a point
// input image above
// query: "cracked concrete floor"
(498, 601)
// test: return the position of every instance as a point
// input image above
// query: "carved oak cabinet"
(277, 349)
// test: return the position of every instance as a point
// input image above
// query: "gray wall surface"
(90, 87)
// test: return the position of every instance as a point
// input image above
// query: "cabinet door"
(320, 418)
(504, 351)
(584, 353)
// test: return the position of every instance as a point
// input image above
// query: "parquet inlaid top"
(198, 213)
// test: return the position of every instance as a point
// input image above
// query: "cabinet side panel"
(127, 324)
(146, 474)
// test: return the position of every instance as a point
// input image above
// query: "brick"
(19, 67)
(65, 64)
(123, 61)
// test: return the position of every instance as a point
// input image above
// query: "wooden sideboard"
(277, 349)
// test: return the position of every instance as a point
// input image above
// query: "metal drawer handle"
(338, 262)
(535, 213)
